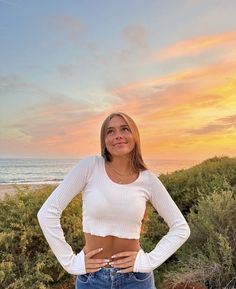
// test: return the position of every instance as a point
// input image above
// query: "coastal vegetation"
(205, 194)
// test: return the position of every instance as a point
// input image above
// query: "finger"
(127, 270)
(92, 265)
(92, 270)
(95, 265)
(124, 254)
(121, 261)
(97, 261)
(126, 265)
(94, 252)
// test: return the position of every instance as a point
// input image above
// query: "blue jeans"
(107, 278)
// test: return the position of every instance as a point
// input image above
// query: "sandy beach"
(11, 188)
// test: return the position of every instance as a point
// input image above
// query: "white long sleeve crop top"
(113, 209)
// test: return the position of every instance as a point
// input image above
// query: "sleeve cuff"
(142, 263)
(77, 266)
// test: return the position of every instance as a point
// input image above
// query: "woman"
(115, 188)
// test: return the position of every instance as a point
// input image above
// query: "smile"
(120, 143)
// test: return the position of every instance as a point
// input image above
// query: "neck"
(121, 163)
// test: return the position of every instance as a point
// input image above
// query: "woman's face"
(119, 139)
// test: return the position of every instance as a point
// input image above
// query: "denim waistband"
(107, 273)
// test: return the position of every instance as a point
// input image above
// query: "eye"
(125, 129)
(109, 131)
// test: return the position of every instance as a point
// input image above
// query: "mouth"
(120, 143)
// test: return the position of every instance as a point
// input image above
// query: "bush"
(26, 260)
(210, 255)
(186, 186)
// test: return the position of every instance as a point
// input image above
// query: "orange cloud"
(198, 77)
(195, 45)
(188, 114)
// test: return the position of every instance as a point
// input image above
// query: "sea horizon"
(53, 170)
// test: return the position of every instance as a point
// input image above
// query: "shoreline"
(11, 189)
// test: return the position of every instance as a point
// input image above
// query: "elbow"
(183, 230)
(187, 231)
(48, 217)
(41, 217)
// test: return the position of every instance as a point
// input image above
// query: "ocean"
(41, 171)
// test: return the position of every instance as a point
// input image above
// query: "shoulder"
(85, 166)
(150, 175)
(90, 161)
(90, 158)
(150, 179)
(146, 178)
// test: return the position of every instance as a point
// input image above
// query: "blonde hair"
(136, 159)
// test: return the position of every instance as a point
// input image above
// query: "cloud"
(180, 110)
(135, 36)
(231, 119)
(135, 46)
(68, 70)
(211, 128)
(196, 46)
(221, 124)
(175, 112)
(69, 25)
(50, 119)
(196, 78)
(59, 126)
(11, 82)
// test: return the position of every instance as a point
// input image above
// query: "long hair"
(136, 159)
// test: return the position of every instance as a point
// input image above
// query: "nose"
(118, 135)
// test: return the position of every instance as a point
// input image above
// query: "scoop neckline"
(110, 180)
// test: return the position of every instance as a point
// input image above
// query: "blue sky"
(64, 62)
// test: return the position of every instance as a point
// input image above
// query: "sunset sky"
(170, 65)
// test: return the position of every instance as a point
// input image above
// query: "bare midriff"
(111, 245)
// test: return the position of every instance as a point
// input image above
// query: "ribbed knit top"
(113, 209)
(110, 208)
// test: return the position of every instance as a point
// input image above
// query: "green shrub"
(26, 260)
(210, 255)
(187, 185)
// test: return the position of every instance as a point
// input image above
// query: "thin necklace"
(122, 175)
